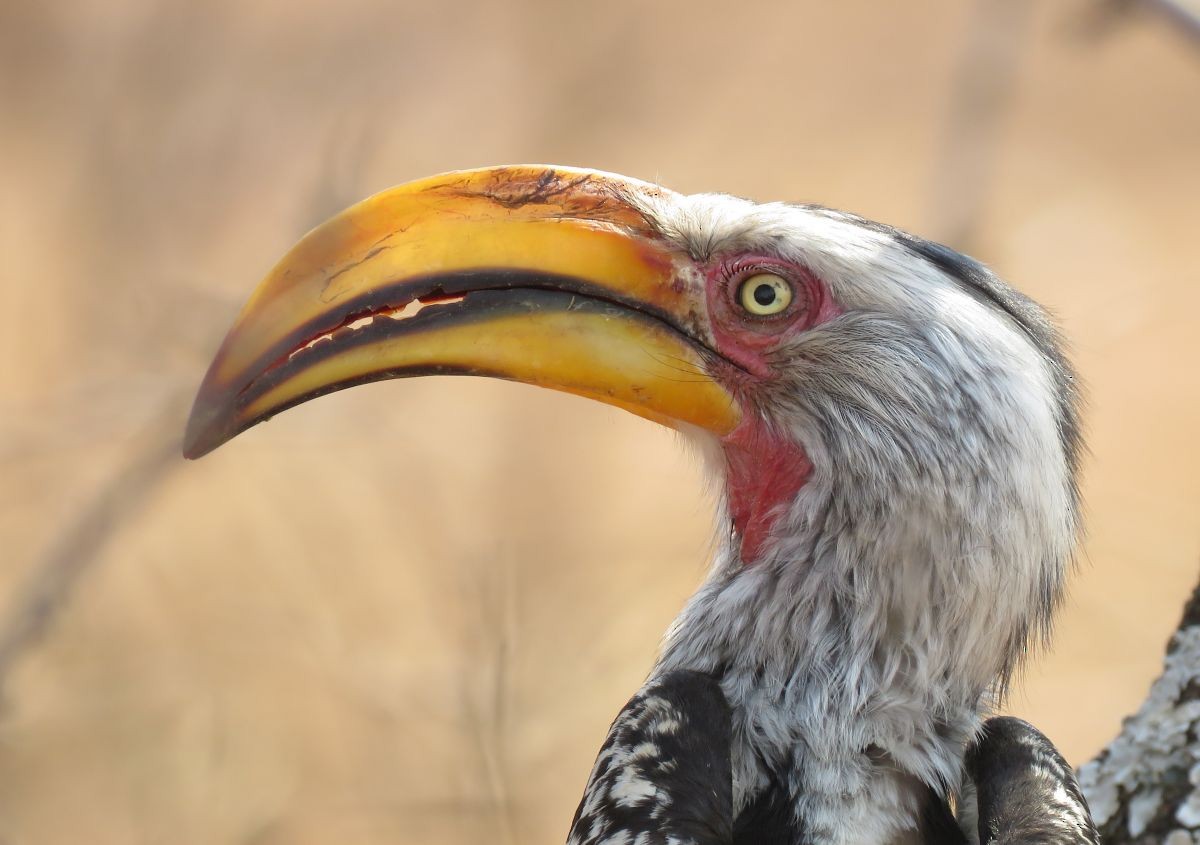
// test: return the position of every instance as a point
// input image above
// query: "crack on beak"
(397, 313)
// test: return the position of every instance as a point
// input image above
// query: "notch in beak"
(544, 275)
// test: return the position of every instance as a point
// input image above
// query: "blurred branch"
(971, 133)
(1185, 17)
(983, 89)
(339, 176)
(1182, 15)
(487, 674)
(80, 542)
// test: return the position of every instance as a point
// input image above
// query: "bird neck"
(831, 703)
(856, 657)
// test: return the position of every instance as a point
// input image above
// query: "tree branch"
(1145, 786)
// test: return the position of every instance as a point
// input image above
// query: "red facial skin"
(765, 468)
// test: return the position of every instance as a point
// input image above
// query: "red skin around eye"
(746, 339)
(765, 468)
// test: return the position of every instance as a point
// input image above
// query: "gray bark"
(1145, 786)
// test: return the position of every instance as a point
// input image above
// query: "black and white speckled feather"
(662, 776)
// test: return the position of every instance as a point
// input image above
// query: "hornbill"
(896, 439)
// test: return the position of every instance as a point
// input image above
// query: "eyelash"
(739, 271)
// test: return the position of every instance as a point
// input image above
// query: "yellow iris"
(765, 294)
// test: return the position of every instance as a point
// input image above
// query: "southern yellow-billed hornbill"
(895, 429)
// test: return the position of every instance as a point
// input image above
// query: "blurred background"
(407, 613)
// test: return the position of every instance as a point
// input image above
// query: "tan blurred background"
(406, 613)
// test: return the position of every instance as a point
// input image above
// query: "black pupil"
(764, 294)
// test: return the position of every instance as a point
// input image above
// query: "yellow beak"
(544, 275)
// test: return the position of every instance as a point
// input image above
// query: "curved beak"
(544, 275)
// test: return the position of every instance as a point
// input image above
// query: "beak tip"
(207, 428)
(193, 450)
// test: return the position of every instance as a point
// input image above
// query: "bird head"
(885, 416)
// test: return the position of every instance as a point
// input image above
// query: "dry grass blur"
(406, 613)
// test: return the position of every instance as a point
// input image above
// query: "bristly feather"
(930, 544)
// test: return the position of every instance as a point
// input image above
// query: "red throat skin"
(765, 470)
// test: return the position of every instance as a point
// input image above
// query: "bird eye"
(765, 294)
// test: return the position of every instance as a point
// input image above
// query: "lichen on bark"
(1145, 786)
